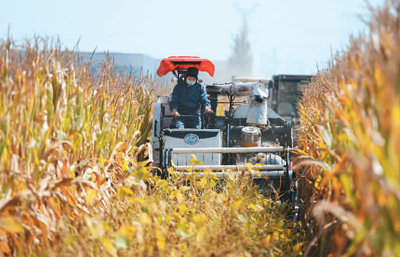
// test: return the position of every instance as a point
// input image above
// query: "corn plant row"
(349, 142)
(74, 171)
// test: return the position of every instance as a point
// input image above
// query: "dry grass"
(72, 182)
(350, 140)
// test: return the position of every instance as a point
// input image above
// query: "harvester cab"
(246, 132)
(287, 91)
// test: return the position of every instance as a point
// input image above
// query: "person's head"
(191, 75)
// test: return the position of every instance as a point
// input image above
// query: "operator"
(186, 100)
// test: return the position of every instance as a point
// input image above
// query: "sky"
(286, 36)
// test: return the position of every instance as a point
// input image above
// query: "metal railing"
(268, 170)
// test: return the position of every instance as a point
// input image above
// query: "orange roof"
(182, 63)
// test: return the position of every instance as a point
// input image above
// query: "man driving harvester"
(187, 98)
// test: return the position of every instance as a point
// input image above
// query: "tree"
(241, 59)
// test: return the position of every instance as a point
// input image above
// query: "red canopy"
(182, 63)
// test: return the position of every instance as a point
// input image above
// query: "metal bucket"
(250, 137)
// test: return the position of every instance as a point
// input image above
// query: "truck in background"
(286, 91)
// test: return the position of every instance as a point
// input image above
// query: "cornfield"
(75, 178)
(74, 147)
(349, 145)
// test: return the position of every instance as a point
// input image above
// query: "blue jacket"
(187, 99)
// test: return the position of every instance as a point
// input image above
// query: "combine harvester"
(248, 132)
